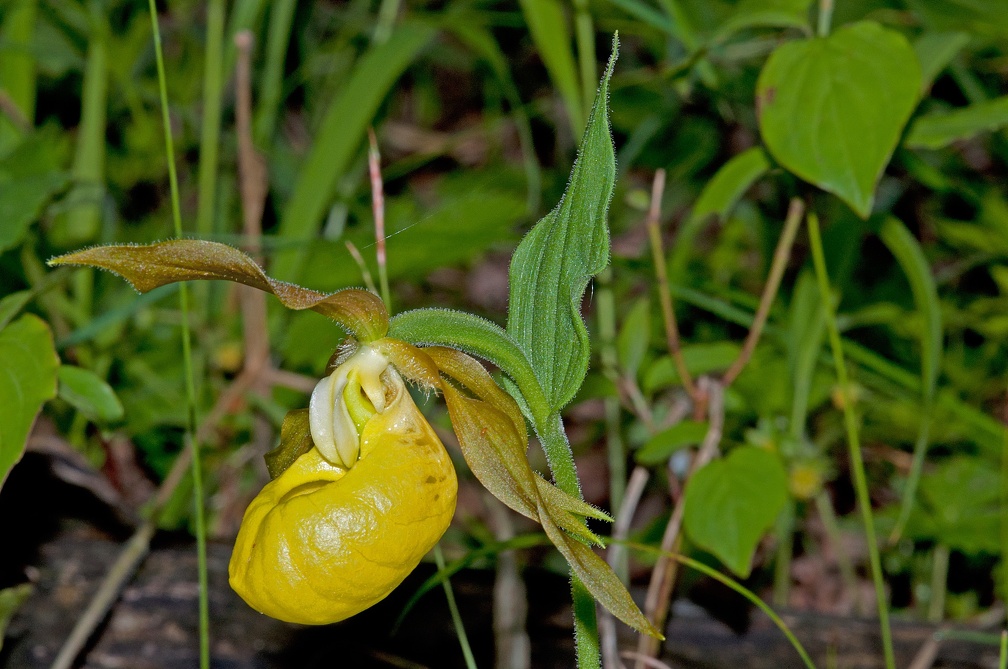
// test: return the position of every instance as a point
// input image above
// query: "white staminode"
(332, 428)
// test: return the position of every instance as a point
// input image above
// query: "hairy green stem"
(197, 472)
(853, 437)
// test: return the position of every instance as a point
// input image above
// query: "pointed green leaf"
(731, 503)
(832, 109)
(359, 312)
(295, 441)
(600, 580)
(939, 129)
(89, 393)
(551, 267)
(27, 381)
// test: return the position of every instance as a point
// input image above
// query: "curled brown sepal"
(147, 267)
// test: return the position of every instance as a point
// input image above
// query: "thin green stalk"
(785, 550)
(615, 447)
(1004, 513)
(737, 587)
(213, 91)
(853, 437)
(191, 441)
(825, 17)
(824, 505)
(916, 471)
(453, 608)
(387, 14)
(939, 582)
(1003, 657)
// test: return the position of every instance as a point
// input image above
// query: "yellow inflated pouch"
(323, 541)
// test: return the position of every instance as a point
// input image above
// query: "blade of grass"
(187, 363)
(910, 257)
(1003, 655)
(213, 91)
(339, 138)
(453, 608)
(548, 27)
(17, 68)
(271, 86)
(853, 437)
(734, 585)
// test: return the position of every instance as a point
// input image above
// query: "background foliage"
(889, 125)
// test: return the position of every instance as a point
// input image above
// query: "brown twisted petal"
(147, 267)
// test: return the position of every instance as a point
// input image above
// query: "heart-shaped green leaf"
(832, 109)
(27, 380)
(731, 503)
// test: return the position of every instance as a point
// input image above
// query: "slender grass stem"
(615, 447)
(192, 442)
(1003, 657)
(387, 13)
(737, 587)
(453, 608)
(853, 437)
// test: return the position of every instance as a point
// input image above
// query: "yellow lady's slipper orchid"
(340, 528)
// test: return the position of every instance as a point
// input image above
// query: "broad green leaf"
(659, 448)
(11, 600)
(731, 503)
(700, 359)
(632, 340)
(88, 393)
(939, 129)
(548, 27)
(27, 381)
(338, 139)
(832, 109)
(295, 441)
(21, 202)
(148, 267)
(718, 197)
(935, 50)
(551, 267)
